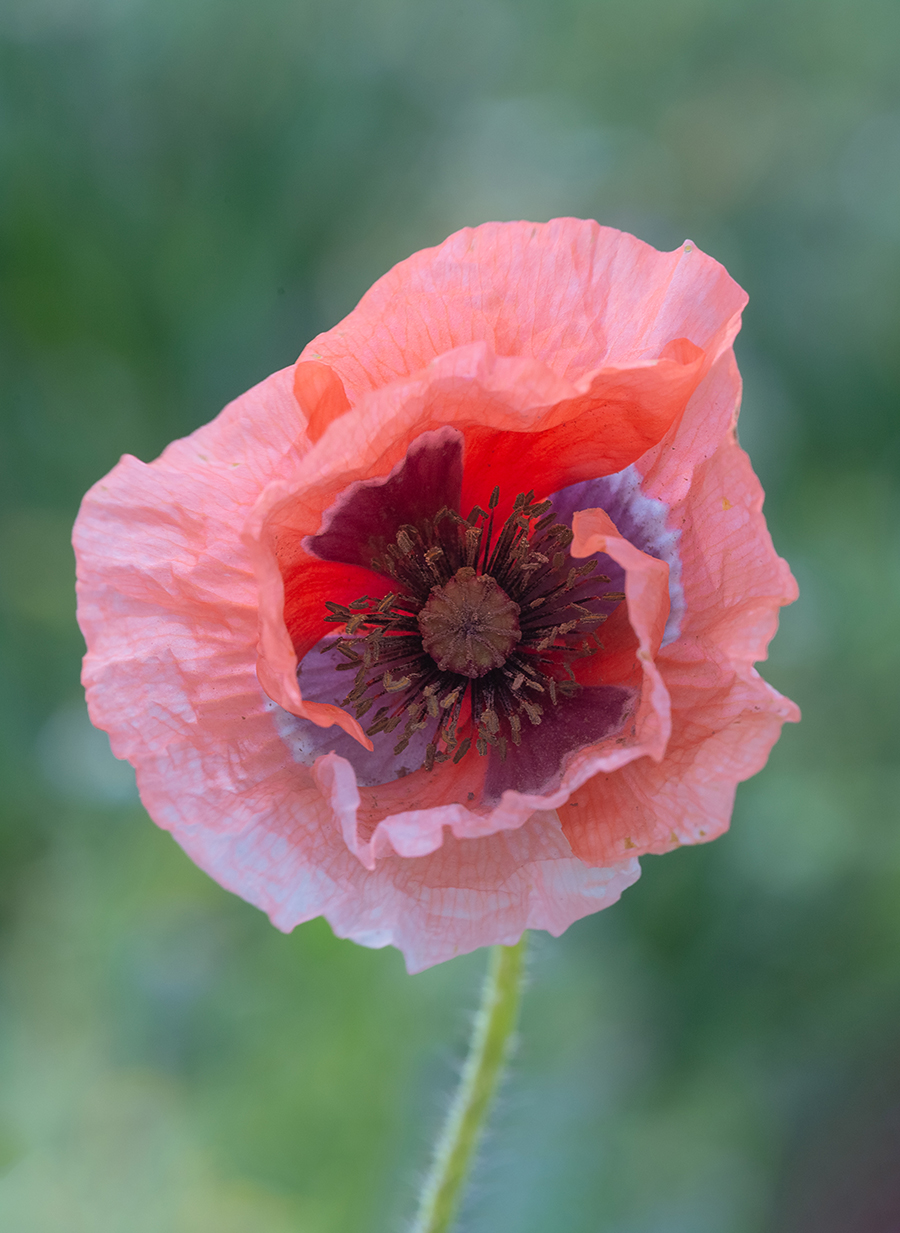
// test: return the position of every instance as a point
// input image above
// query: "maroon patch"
(366, 518)
(535, 765)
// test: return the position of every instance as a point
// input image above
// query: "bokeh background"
(189, 190)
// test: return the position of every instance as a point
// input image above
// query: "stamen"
(491, 619)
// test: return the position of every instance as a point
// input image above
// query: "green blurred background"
(189, 190)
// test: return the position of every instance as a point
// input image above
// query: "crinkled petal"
(464, 894)
(569, 293)
(165, 587)
(724, 717)
(688, 797)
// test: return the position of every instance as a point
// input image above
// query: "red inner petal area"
(308, 583)
(617, 663)
(543, 461)
(624, 415)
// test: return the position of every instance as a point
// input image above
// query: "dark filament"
(557, 619)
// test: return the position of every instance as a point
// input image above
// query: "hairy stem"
(492, 1036)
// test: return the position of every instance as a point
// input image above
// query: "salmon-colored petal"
(164, 584)
(734, 581)
(725, 718)
(466, 893)
(572, 294)
(647, 600)
(688, 796)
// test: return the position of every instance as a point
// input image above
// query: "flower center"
(492, 621)
(469, 625)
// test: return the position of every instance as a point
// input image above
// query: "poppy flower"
(436, 631)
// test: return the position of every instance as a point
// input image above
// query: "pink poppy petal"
(725, 719)
(717, 741)
(569, 293)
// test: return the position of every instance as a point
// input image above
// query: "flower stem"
(492, 1036)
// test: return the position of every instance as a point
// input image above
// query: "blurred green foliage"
(188, 192)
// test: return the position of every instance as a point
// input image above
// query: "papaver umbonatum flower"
(435, 632)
